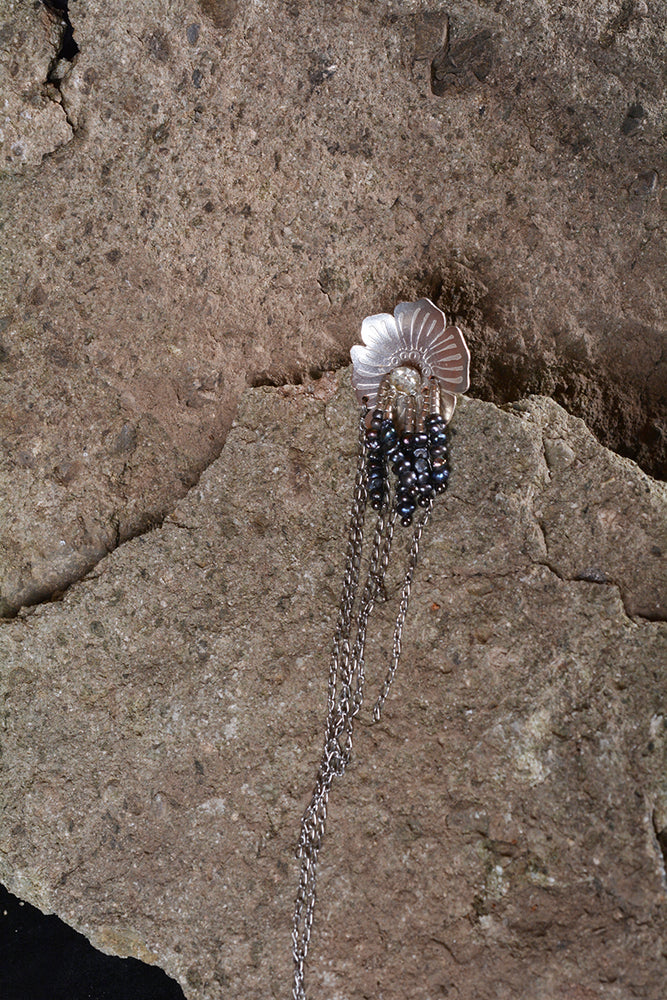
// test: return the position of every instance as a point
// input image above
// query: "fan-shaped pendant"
(406, 376)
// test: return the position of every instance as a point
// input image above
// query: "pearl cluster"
(418, 459)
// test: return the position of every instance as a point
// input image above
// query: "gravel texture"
(501, 834)
(215, 193)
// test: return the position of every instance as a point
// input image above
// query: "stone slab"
(498, 835)
(222, 191)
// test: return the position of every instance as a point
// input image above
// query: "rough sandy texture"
(497, 836)
(33, 122)
(215, 193)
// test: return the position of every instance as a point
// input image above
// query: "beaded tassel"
(406, 377)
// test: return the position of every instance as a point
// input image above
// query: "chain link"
(346, 684)
(341, 641)
(333, 762)
(402, 611)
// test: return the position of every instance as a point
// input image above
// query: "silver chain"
(314, 819)
(402, 611)
(346, 685)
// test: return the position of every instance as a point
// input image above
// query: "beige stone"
(33, 122)
(216, 193)
(497, 835)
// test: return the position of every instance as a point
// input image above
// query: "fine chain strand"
(346, 684)
(402, 611)
(335, 757)
(399, 374)
(341, 642)
(339, 716)
(316, 813)
(385, 536)
(350, 703)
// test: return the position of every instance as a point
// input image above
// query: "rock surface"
(33, 122)
(217, 192)
(501, 834)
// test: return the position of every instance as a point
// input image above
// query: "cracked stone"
(33, 122)
(237, 198)
(614, 511)
(498, 835)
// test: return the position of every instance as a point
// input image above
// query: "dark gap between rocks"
(617, 415)
(504, 369)
(68, 47)
(661, 837)
(41, 958)
(624, 425)
(294, 376)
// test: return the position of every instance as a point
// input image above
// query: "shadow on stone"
(43, 959)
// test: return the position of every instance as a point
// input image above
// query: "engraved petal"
(379, 331)
(417, 323)
(418, 336)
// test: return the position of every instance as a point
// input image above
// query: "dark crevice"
(68, 47)
(293, 376)
(496, 379)
(64, 56)
(616, 413)
(504, 369)
(462, 62)
(43, 958)
(274, 379)
(661, 837)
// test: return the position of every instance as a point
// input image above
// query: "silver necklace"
(406, 377)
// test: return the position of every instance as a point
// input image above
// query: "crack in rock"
(169, 711)
(34, 122)
(52, 594)
(612, 504)
(64, 57)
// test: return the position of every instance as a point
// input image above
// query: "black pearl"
(421, 464)
(439, 477)
(408, 478)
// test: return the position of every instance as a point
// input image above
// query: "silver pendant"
(406, 376)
